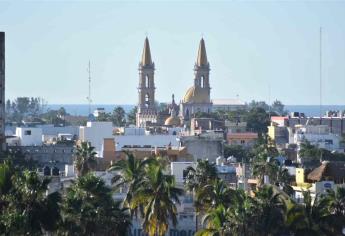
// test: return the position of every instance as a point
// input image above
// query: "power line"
(88, 98)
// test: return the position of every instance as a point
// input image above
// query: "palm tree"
(85, 158)
(272, 211)
(89, 209)
(334, 201)
(216, 221)
(157, 196)
(28, 209)
(213, 195)
(309, 152)
(243, 215)
(131, 172)
(203, 174)
(309, 218)
(263, 168)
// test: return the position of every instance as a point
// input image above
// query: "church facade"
(196, 99)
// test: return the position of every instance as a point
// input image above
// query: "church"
(196, 99)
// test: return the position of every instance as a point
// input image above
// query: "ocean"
(83, 109)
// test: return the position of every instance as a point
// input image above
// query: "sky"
(256, 50)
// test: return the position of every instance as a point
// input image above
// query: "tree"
(236, 151)
(213, 195)
(258, 104)
(258, 120)
(272, 210)
(89, 209)
(203, 174)
(243, 215)
(264, 162)
(85, 158)
(131, 172)
(131, 116)
(119, 116)
(28, 210)
(309, 153)
(334, 201)
(215, 222)
(157, 196)
(103, 116)
(309, 218)
(278, 107)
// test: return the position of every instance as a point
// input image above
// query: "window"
(27, 132)
(147, 81)
(147, 100)
(243, 142)
(202, 81)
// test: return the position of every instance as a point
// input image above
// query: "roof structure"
(328, 171)
(146, 56)
(202, 56)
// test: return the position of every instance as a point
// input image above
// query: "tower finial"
(146, 56)
(202, 56)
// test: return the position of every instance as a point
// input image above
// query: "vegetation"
(85, 158)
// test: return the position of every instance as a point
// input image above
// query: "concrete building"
(228, 104)
(199, 125)
(204, 146)
(29, 136)
(336, 124)
(318, 135)
(124, 141)
(2, 92)
(278, 134)
(95, 133)
(245, 139)
(57, 155)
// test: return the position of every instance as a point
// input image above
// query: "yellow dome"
(172, 121)
(196, 95)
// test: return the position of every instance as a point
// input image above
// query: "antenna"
(88, 98)
(320, 74)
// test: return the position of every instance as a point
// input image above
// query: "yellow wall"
(299, 175)
(272, 132)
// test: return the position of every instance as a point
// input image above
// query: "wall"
(203, 148)
(95, 133)
(141, 140)
(29, 136)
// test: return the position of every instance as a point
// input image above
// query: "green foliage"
(27, 209)
(23, 107)
(103, 116)
(132, 116)
(237, 151)
(84, 158)
(204, 173)
(157, 196)
(89, 209)
(119, 116)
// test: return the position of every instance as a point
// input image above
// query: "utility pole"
(88, 98)
(320, 75)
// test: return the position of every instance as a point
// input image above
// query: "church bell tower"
(147, 111)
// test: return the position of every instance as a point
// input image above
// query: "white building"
(29, 136)
(228, 104)
(95, 133)
(178, 170)
(318, 135)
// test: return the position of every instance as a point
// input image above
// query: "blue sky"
(251, 46)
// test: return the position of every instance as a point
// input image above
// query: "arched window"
(202, 81)
(147, 81)
(147, 100)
